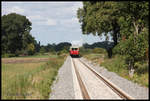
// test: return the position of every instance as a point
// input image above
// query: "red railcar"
(74, 51)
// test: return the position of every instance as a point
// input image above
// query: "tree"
(126, 21)
(134, 32)
(63, 45)
(100, 17)
(37, 46)
(42, 50)
(15, 32)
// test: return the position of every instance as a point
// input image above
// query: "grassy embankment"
(117, 64)
(30, 80)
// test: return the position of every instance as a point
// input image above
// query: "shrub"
(98, 50)
(7, 55)
(62, 52)
(141, 67)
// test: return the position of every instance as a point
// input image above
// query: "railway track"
(84, 88)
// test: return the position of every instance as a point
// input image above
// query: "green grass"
(12, 77)
(44, 56)
(29, 80)
(38, 55)
(117, 64)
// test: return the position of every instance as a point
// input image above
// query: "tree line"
(126, 21)
(56, 48)
(17, 40)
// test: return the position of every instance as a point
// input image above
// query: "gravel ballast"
(62, 87)
(133, 89)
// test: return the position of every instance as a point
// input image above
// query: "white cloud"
(68, 9)
(16, 9)
(77, 42)
(35, 17)
(51, 22)
(69, 23)
(41, 20)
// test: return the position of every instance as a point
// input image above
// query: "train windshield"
(74, 48)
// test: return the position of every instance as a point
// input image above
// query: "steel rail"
(82, 86)
(117, 90)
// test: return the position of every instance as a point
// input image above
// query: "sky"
(52, 22)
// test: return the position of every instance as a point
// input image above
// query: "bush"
(99, 50)
(31, 49)
(17, 53)
(42, 50)
(141, 68)
(116, 64)
(84, 51)
(7, 55)
(62, 52)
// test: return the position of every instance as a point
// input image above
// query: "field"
(117, 64)
(29, 77)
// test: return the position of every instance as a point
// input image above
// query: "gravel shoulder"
(133, 89)
(62, 87)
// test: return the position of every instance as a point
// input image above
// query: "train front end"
(74, 51)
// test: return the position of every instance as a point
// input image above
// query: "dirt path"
(23, 60)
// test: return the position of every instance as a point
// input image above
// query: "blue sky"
(52, 22)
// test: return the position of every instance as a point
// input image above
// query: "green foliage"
(99, 50)
(30, 49)
(61, 46)
(16, 34)
(118, 65)
(17, 52)
(64, 51)
(42, 50)
(56, 48)
(131, 20)
(134, 29)
(100, 17)
(7, 55)
(127, 22)
(134, 48)
(13, 28)
(84, 51)
(141, 67)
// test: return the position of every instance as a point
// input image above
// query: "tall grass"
(46, 76)
(117, 64)
(29, 81)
